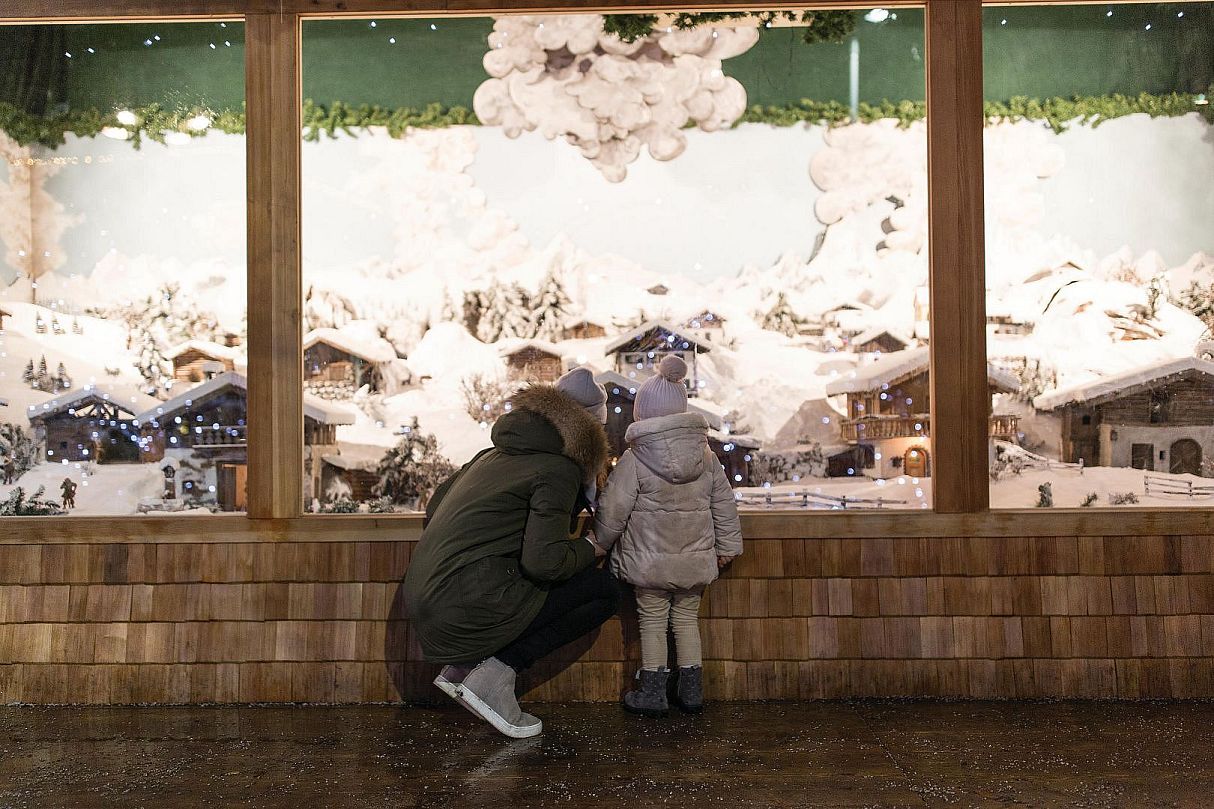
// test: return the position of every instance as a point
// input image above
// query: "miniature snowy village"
(604, 210)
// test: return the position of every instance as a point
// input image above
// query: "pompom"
(672, 368)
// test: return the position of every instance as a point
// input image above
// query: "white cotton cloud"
(561, 75)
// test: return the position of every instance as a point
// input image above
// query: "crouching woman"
(496, 581)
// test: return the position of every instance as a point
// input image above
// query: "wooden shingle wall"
(173, 622)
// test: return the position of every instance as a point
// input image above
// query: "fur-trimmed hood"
(573, 432)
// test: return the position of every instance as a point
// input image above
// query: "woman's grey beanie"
(664, 393)
(580, 386)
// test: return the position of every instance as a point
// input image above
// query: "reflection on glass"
(1100, 270)
(122, 280)
(536, 193)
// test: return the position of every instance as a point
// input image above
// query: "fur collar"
(583, 438)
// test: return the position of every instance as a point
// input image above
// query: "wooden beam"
(34, 11)
(272, 100)
(890, 524)
(451, 8)
(960, 399)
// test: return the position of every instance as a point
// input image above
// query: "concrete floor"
(736, 755)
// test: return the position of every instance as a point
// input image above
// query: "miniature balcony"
(874, 428)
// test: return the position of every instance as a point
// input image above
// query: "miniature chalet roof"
(705, 318)
(357, 457)
(511, 346)
(214, 350)
(635, 340)
(371, 349)
(1107, 388)
(898, 366)
(610, 379)
(315, 408)
(126, 400)
(875, 332)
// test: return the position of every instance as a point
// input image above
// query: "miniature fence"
(1023, 459)
(1153, 484)
(791, 499)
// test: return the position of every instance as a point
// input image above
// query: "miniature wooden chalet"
(658, 289)
(888, 415)
(881, 341)
(1156, 417)
(207, 424)
(89, 424)
(584, 329)
(532, 361)
(338, 362)
(639, 351)
(197, 361)
(707, 325)
(735, 452)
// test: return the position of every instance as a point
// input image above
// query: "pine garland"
(155, 122)
(819, 26)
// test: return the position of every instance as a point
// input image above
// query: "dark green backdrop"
(1038, 52)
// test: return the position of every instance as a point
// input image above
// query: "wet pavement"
(736, 755)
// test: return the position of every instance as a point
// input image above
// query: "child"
(670, 513)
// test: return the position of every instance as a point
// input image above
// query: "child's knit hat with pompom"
(664, 393)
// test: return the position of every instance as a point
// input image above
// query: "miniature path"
(736, 755)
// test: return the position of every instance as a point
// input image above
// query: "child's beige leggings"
(656, 611)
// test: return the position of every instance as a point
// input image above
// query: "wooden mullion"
(960, 399)
(275, 418)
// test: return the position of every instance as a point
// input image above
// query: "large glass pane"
(1100, 253)
(122, 276)
(489, 203)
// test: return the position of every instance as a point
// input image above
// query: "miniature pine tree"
(516, 313)
(42, 380)
(28, 375)
(62, 380)
(491, 322)
(551, 309)
(413, 469)
(781, 317)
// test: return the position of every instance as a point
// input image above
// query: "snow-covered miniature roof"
(315, 408)
(640, 331)
(897, 366)
(359, 457)
(126, 399)
(875, 332)
(738, 440)
(1111, 387)
(215, 350)
(371, 349)
(705, 319)
(610, 379)
(511, 346)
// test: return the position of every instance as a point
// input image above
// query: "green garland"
(154, 121)
(1058, 113)
(819, 26)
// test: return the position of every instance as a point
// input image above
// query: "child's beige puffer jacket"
(668, 509)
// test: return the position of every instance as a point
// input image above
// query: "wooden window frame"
(960, 400)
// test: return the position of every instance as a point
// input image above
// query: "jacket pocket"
(488, 590)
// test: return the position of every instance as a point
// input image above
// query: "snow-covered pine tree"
(517, 313)
(1198, 298)
(473, 310)
(43, 379)
(62, 380)
(551, 309)
(27, 376)
(781, 317)
(19, 446)
(491, 324)
(411, 471)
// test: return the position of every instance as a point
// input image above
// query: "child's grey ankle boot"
(649, 699)
(690, 696)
